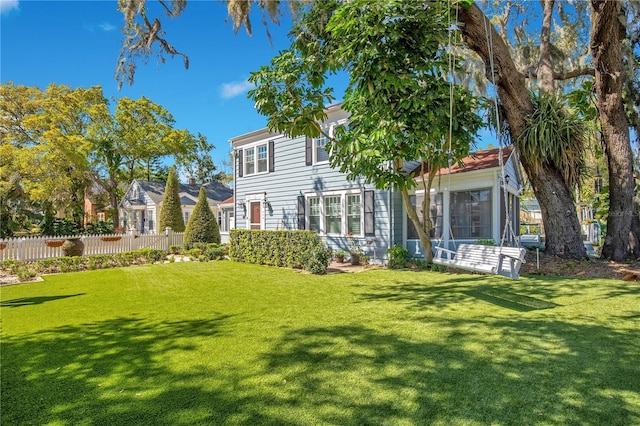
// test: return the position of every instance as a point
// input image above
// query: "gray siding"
(291, 178)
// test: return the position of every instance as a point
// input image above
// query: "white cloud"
(235, 88)
(7, 5)
(106, 26)
(91, 27)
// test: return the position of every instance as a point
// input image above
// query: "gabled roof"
(229, 200)
(480, 160)
(216, 191)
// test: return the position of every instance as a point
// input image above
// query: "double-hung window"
(321, 151)
(262, 158)
(256, 159)
(338, 213)
(249, 161)
(333, 214)
(315, 214)
(354, 213)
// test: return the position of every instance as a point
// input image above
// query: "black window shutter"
(301, 220)
(271, 166)
(240, 163)
(369, 214)
(308, 151)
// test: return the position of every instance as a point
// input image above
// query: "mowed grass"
(237, 344)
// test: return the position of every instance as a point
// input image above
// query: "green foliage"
(202, 226)
(554, 135)
(216, 251)
(99, 228)
(171, 211)
(398, 257)
(398, 97)
(56, 227)
(318, 261)
(486, 242)
(26, 270)
(381, 347)
(339, 253)
(175, 249)
(291, 249)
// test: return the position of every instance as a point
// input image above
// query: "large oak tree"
(547, 177)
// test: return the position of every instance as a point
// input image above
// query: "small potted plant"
(354, 249)
(339, 256)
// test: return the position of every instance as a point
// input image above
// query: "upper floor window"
(256, 159)
(262, 158)
(249, 161)
(318, 149)
(321, 152)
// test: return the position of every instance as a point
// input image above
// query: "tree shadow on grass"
(113, 373)
(514, 370)
(358, 375)
(510, 300)
(526, 294)
(36, 300)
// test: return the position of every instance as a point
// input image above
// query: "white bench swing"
(505, 261)
(498, 260)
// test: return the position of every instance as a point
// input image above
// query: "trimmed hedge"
(289, 249)
(26, 270)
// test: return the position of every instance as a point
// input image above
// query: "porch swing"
(497, 260)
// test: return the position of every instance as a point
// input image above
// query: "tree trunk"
(545, 65)
(425, 241)
(561, 223)
(607, 34)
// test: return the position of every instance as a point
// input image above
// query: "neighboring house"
(141, 204)
(96, 205)
(287, 183)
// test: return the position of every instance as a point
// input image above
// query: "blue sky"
(76, 43)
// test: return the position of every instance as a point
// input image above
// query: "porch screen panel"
(471, 214)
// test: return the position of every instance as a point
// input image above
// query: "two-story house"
(287, 183)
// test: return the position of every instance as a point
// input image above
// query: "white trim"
(343, 210)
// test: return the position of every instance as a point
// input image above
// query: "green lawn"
(230, 343)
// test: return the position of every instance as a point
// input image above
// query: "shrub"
(290, 249)
(486, 242)
(398, 257)
(318, 262)
(175, 249)
(215, 251)
(202, 226)
(25, 270)
(171, 211)
(99, 228)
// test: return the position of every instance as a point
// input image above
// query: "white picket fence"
(34, 248)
